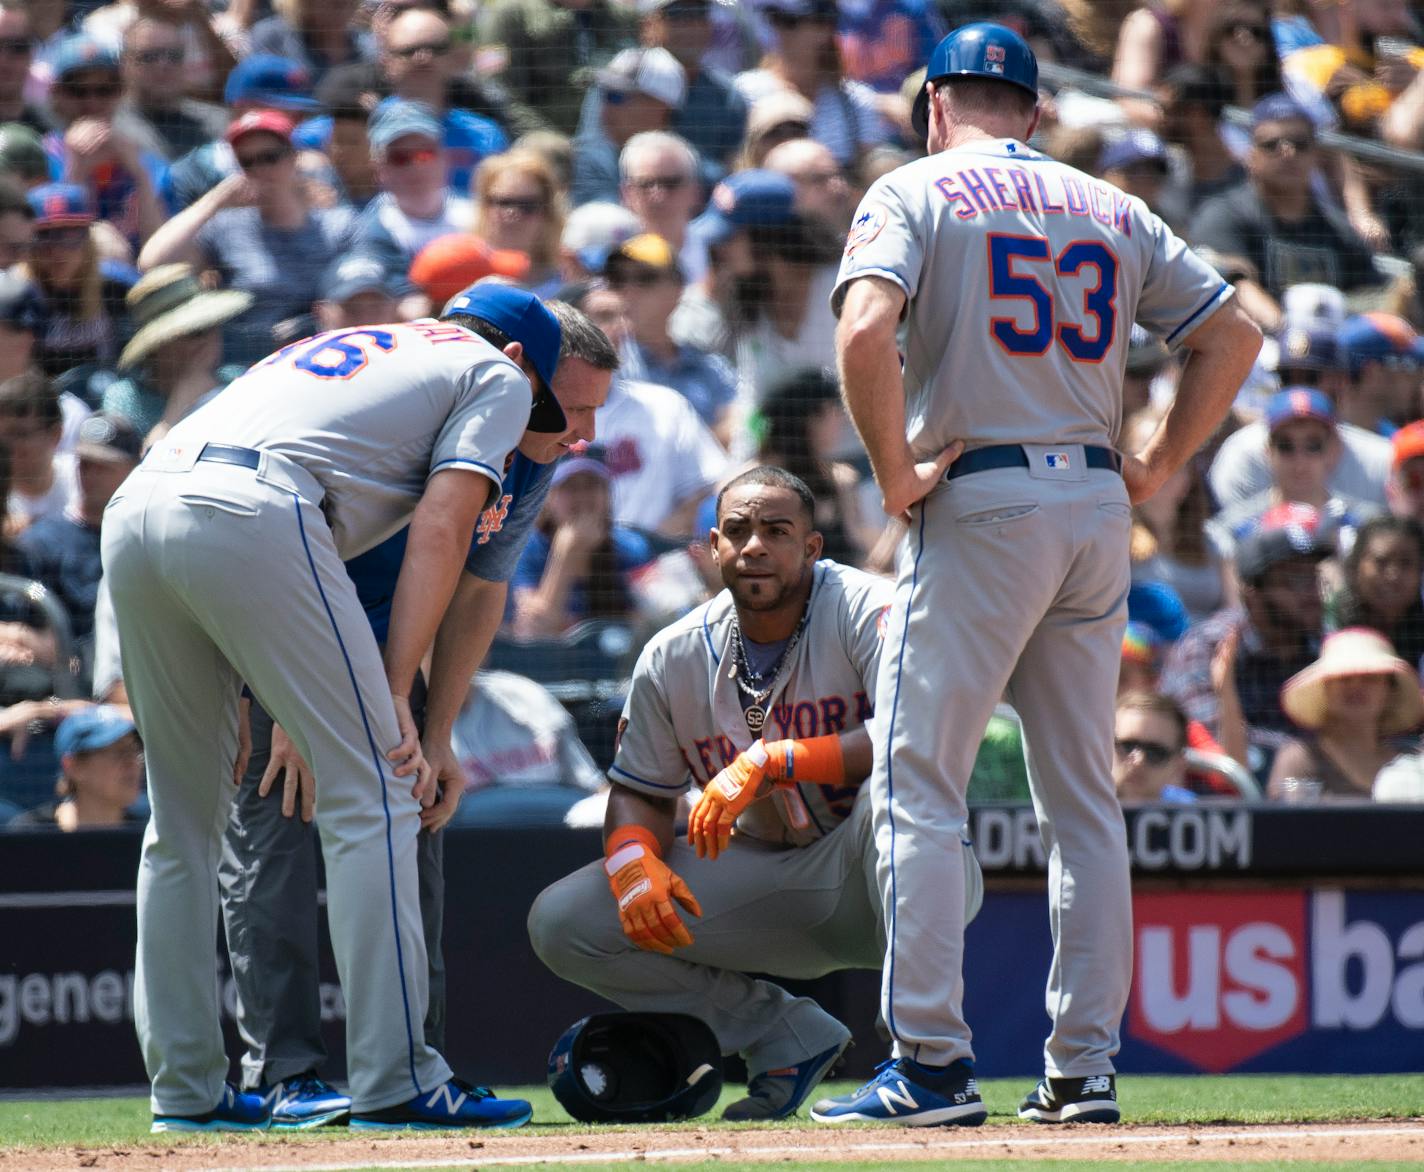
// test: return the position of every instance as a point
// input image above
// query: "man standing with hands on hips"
(1018, 279)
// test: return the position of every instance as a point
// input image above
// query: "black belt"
(1013, 456)
(231, 454)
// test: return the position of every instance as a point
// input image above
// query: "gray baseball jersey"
(372, 414)
(1023, 277)
(1009, 254)
(221, 574)
(683, 719)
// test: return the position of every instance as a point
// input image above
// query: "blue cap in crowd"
(744, 200)
(264, 79)
(1279, 108)
(1378, 337)
(1299, 403)
(358, 273)
(1136, 146)
(80, 52)
(91, 729)
(1158, 607)
(1307, 347)
(527, 321)
(396, 117)
(60, 205)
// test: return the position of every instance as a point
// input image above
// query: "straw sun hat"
(1354, 652)
(169, 302)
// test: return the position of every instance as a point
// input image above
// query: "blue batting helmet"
(636, 1068)
(978, 50)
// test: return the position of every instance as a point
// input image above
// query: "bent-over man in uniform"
(223, 553)
(761, 696)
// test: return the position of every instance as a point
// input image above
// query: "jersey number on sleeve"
(1011, 263)
(334, 355)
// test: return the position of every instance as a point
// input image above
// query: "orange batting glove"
(754, 774)
(646, 888)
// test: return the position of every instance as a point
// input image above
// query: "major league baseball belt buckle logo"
(1057, 461)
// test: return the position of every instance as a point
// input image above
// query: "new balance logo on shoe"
(452, 1101)
(1098, 1084)
(900, 1096)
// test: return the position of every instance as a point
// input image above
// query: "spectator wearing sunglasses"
(659, 184)
(1382, 356)
(645, 271)
(207, 58)
(260, 232)
(1149, 750)
(1276, 220)
(519, 207)
(91, 150)
(16, 57)
(154, 110)
(1302, 447)
(416, 205)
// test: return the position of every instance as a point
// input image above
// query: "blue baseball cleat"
(452, 1104)
(777, 1094)
(305, 1101)
(910, 1095)
(235, 1112)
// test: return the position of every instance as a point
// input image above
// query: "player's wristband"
(816, 760)
(628, 842)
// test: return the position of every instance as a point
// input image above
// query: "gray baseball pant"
(182, 551)
(268, 882)
(797, 912)
(1009, 583)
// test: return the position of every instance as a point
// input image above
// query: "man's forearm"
(433, 559)
(461, 644)
(871, 381)
(628, 807)
(1223, 350)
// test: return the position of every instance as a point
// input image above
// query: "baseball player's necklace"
(751, 682)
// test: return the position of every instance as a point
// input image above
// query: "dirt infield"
(1235, 1143)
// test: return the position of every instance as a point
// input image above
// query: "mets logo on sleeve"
(866, 228)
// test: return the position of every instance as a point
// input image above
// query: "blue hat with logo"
(1307, 347)
(1279, 108)
(744, 200)
(1378, 337)
(91, 729)
(1299, 403)
(358, 273)
(60, 205)
(396, 117)
(1136, 146)
(526, 320)
(985, 50)
(265, 79)
(79, 52)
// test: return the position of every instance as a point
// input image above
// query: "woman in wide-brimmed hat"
(171, 362)
(1355, 703)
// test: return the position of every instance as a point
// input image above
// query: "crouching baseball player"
(761, 696)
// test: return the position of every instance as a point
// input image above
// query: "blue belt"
(230, 454)
(1013, 456)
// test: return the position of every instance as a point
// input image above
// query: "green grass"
(1198, 1099)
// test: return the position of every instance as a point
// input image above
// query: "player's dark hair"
(580, 338)
(492, 334)
(773, 477)
(987, 95)
(1159, 705)
(30, 395)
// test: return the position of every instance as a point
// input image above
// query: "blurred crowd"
(187, 186)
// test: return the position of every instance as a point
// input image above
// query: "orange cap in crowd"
(452, 263)
(1408, 442)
